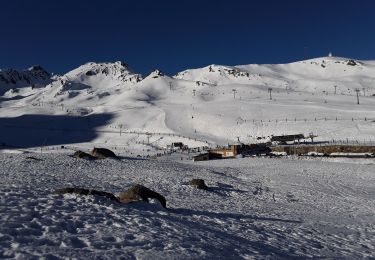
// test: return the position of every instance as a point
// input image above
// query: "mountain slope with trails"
(278, 208)
(213, 105)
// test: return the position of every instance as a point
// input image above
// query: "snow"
(255, 208)
(198, 104)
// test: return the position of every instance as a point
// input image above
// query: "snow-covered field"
(256, 208)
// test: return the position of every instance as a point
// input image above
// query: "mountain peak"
(117, 68)
(36, 68)
(122, 64)
(103, 74)
(156, 73)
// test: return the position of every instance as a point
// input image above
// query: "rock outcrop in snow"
(139, 192)
(199, 184)
(102, 153)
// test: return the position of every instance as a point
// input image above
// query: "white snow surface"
(210, 106)
(255, 208)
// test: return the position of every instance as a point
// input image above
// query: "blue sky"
(176, 35)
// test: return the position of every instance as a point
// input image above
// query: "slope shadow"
(29, 131)
(132, 158)
(233, 243)
(223, 191)
(231, 251)
(18, 97)
(183, 211)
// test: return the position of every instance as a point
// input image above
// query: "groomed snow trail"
(255, 208)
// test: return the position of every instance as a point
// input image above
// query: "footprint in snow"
(291, 198)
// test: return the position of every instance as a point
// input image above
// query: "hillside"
(213, 105)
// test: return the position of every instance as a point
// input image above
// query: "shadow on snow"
(29, 131)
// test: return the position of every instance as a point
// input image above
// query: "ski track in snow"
(255, 208)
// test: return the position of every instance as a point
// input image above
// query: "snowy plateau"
(254, 208)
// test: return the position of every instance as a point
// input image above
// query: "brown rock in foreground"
(139, 192)
(134, 194)
(199, 184)
(83, 155)
(102, 153)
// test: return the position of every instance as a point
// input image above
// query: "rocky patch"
(139, 192)
(102, 153)
(199, 184)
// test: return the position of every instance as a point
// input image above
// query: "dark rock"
(36, 68)
(351, 63)
(156, 74)
(33, 158)
(102, 153)
(83, 155)
(90, 73)
(199, 184)
(139, 192)
(83, 191)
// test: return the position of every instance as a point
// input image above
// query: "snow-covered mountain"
(254, 207)
(91, 80)
(33, 77)
(215, 104)
(320, 74)
(103, 75)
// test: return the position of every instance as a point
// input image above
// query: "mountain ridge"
(216, 103)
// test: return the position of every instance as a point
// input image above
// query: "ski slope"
(213, 105)
(256, 208)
